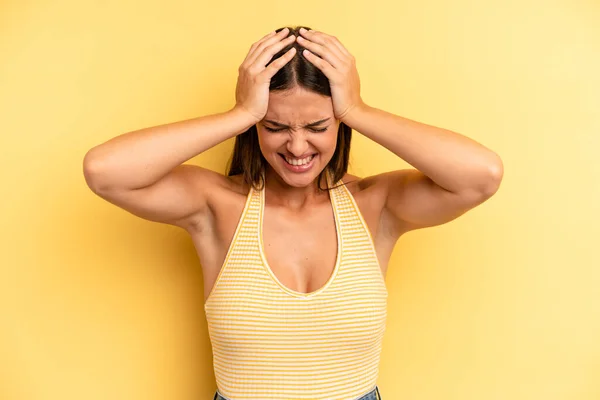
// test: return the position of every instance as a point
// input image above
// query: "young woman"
(294, 250)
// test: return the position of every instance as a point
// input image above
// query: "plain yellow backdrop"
(502, 303)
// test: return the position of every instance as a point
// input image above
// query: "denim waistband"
(372, 395)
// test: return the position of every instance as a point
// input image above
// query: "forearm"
(140, 158)
(453, 161)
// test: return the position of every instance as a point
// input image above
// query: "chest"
(300, 249)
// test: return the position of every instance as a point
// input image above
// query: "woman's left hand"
(339, 66)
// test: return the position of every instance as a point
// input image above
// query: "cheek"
(271, 144)
(329, 142)
(266, 141)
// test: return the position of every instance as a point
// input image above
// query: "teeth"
(294, 161)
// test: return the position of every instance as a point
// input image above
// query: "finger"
(326, 40)
(323, 65)
(256, 44)
(321, 45)
(340, 46)
(263, 59)
(278, 64)
(319, 37)
(269, 34)
(333, 56)
(267, 42)
(257, 47)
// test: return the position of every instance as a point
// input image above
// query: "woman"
(294, 250)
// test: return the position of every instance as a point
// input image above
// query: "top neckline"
(334, 204)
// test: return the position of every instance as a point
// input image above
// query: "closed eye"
(282, 129)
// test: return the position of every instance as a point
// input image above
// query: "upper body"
(283, 102)
(293, 124)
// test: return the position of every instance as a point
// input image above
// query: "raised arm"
(143, 171)
(453, 172)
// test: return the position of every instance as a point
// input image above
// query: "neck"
(296, 198)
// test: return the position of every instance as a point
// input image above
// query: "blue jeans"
(372, 395)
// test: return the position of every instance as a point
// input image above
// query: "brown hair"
(247, 158)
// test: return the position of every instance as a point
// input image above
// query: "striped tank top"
(272, 342)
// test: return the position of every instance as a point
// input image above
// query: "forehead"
(298, 106)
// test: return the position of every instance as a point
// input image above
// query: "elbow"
(92, 167)
(495, 175)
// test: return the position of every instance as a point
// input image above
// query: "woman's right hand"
(252, 90)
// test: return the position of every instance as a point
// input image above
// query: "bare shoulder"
(221, 184)
(370, 194)
(222, 192)
(366, 189)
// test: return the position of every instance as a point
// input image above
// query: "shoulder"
(370, 187)
(219, 190)
(235, 184)
(212, 183)
(370, 194)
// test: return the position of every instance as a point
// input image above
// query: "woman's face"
(297, 151)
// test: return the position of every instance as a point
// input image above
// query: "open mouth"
(297, 162)
(296, 165)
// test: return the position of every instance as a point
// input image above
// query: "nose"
(297, 144)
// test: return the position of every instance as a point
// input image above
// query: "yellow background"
(502, 303)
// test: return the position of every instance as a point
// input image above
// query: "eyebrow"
(312, 124)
